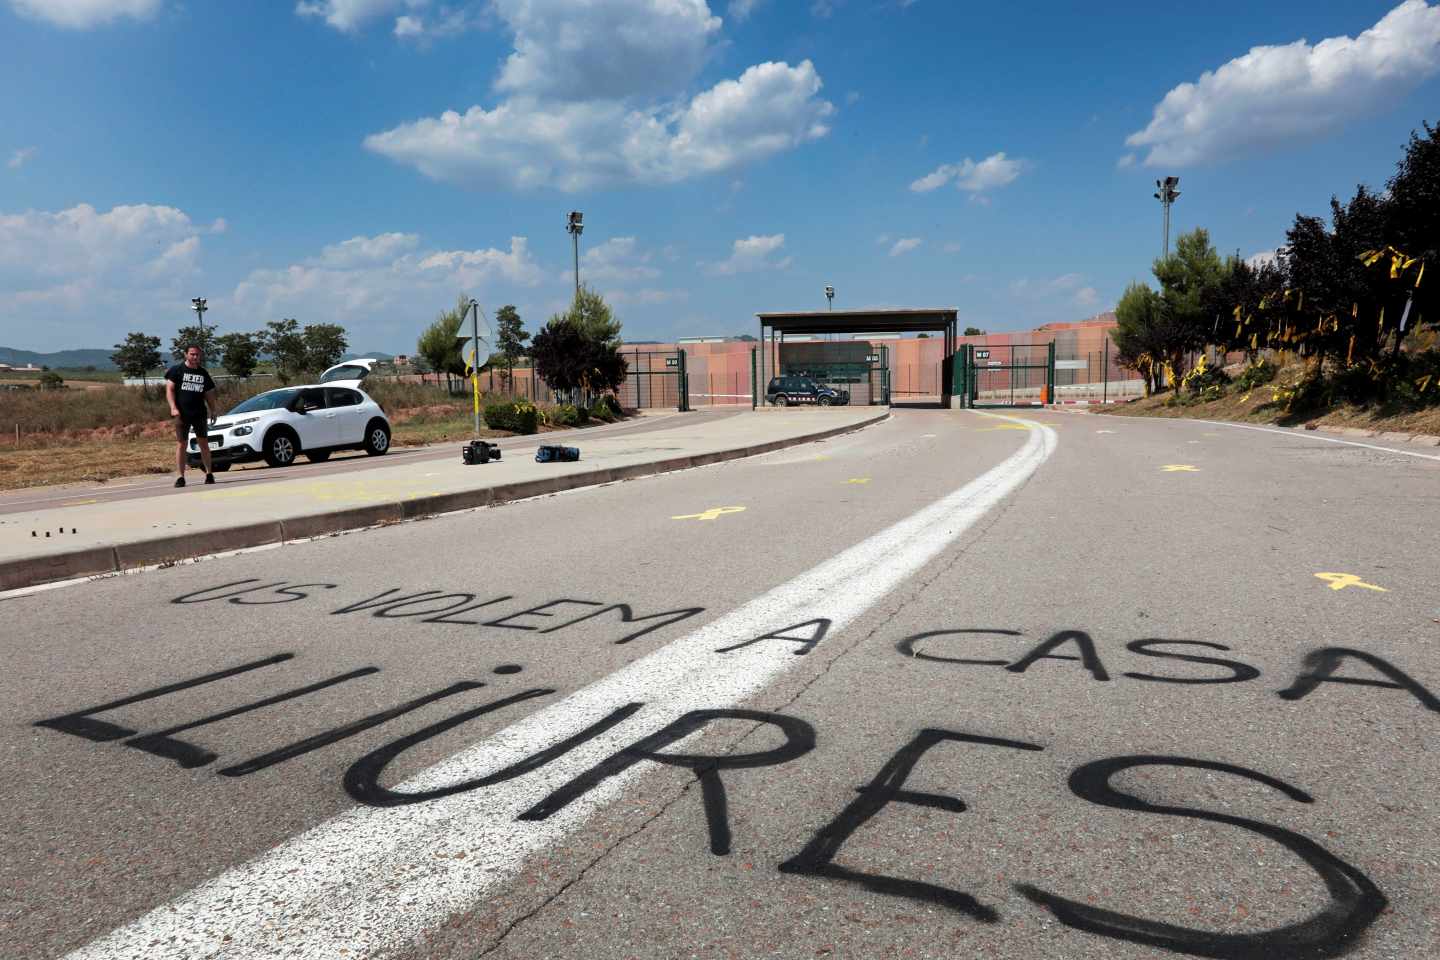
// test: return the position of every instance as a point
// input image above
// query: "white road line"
(374, 879)
(1308, 436)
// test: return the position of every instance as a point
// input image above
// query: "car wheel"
(377, 438)
(280, 448)
(824, 401)
(318, 456)
(780, 400)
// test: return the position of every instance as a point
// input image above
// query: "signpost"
(474, 341)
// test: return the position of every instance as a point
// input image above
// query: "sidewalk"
(93, 539)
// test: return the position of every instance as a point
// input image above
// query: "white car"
(315, 420)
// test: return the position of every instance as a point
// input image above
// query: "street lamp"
(198, 305)
(830, 295)
(575, 226)
(1166, 193)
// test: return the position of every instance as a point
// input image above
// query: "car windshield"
(270, 400)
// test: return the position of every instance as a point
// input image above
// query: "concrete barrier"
(144, 553)
(59, 566)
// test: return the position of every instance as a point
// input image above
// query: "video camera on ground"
(478, 451)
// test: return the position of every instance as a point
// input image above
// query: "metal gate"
(1006, 375)
(655, 379)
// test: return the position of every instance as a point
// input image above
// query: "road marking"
(711, 514)
(1179, 468)
(77, 503)
(1309, 436)
(928, 436)
(1339, 581)
(1005, 426)
(1104, 431)
(373, 879)
(858, 480)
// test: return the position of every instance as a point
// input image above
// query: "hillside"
(69, 359)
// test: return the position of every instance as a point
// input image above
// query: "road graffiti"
(1317, 667)
(1352, 900)
(439, 606)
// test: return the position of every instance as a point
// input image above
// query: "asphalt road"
(250, 474)
(992, 743)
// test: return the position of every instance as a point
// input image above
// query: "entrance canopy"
(850, 323)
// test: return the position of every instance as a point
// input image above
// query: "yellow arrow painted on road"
(858, 480)
(1179, 468)
(1339, 581)
(711, 514)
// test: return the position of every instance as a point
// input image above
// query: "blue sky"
(365, 161)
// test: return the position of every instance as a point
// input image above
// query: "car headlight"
(244, 431)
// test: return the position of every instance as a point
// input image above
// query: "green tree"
(50, 380)
(325, 344)
(510, 337)
(973, 332)
(1190, 281)
(580, 349)
(284, 344)
(138, 355)
(239, 352)
(193, 336)
(1138, 340)
(439, 344)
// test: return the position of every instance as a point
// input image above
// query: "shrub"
(1257, 373)
(1203, 379)
(517, 417)
(569, 415)
(611, 403)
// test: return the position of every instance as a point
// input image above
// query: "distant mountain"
(373, 355)
(68, 359)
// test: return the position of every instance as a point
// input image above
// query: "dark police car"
(784, 391)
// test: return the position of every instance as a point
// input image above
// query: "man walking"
(191, 393)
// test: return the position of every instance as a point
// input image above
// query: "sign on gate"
(672, 361)
(982, 354)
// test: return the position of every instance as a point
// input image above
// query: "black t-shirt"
(190, 389)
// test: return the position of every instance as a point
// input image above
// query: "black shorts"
(184, 423)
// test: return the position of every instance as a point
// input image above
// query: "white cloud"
(883, 239)
(1067, 281)
(1258, 260)
(852, 98)
(952, 248)
(349, 16)
(617, 259)
(1278, 95)
(645, 296)
(408, 26)
(358, 251)
(384, 280)
(80, 14)
(740, 10)
(21, 156)
(525, 143)
(1087, 297)
(604, 51)
(991, 173)
(1125, 162)
(220, 225)
(751, 254)
(904, 245)
(94, 271)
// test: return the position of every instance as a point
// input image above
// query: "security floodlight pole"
(575, 226)
(198, 305)
(830, 295)
(1166, 193)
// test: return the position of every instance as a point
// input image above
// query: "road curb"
(97, 561)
